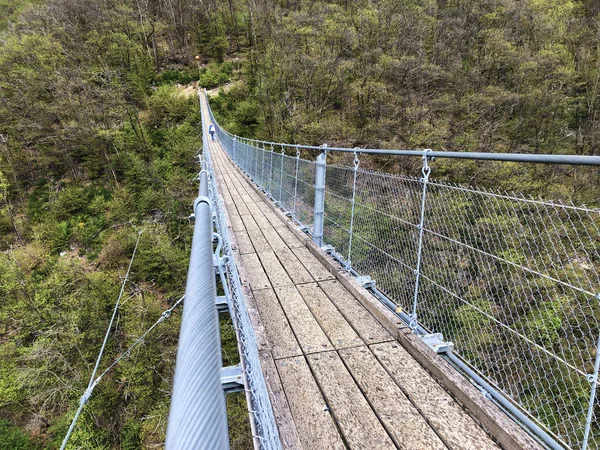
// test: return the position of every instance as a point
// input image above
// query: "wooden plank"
(307, 330)
(254, 209)
(367, 327)
(256, 277)
(273, 239)
(262, 342)
(258, 240)
(312, 264)
(236, 221)
(312, 418)
(505, 430)
(293, 266)
(288, 434)
(337, 329)
(232, 210)
(243, 242)
(274, 270)
(280, 337)
(241, 207)
(249, 222)
(288, 237)
(260, 219)
(355, 418)
(451, 422)
(404, 424)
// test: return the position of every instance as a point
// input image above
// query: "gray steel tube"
(197, 417)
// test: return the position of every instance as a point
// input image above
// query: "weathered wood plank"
(236, 221)
(307, 330)
(451, 422)
(288, 433)
(241, 207)
(288, 237)
(253, 270)
(405, 425)
(312, 418)
(367, 327)
(337, 329)
(312, 264)
(280, 337)
(293, 266)
(274, 270)
(258, 240)
(359, 425)
(243, 242)
(273, 239)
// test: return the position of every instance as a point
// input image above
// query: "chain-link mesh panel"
(305, 198)
(513, 282)
(288, 186)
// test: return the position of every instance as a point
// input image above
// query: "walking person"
(211, 131)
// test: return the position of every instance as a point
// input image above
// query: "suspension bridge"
(380, 311)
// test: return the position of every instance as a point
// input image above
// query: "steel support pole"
(296, 181)
(593, 378)
(234, 150)
(262, 170)
(281, 176)
(319, 210)
(270, 190)
(197, 416)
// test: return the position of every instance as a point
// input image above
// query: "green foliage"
(215, 75)
(169, 76)
(12, 438)
(131, 438)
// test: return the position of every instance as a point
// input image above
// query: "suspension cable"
(83, 400)
(164, 316)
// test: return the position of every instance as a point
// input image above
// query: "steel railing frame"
(238, 148)
(197, 416)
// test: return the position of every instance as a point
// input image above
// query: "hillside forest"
(99, 132)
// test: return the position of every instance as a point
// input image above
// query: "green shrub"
(12, 438)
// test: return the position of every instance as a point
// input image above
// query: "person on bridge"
(211, 131)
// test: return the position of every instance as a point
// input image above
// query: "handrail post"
(234, 149)
(321, 169)
(197, 416)
(296, 180)
(281, 176)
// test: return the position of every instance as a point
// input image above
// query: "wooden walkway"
(337, 373)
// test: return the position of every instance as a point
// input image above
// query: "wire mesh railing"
(512, 281)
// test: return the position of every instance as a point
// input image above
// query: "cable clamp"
(426, 169)
(201, 199)
(87, 394)
(356, 160)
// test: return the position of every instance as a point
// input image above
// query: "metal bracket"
(232, 379)
(592, 378)
(328, 248)
(221, 303)
(305, 229)
(289, 214)
(365, 281)
(436, 343)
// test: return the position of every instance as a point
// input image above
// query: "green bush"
(12, 438)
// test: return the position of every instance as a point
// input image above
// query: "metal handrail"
(577, 160)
